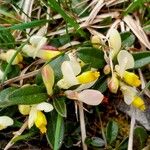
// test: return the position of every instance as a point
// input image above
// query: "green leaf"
(127, 39)
(26, 95)
(141, 59)
(101, 85)
(56, 65)
(60, 106)
(92, 56)
(55, 129)
(95, 142)
(22, 26)
(55, 6)
(140, 137)
(111, 131)
(7, 41)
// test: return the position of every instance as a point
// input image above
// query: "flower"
(36, 48)
(5, 121)
(126, 61)
(48, 78)
(36, 116)
(90, 97)
(8, 56)
(130, 96)
(70, 70)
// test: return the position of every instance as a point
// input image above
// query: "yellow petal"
(24, 109)
(138, 103)
(41, 121)
(96, 41)
(88, 77)
(131, 79)
(48, 78)
(47, 54)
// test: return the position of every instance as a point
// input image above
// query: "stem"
(57, 133)
(130, 143)
(82, 125)
(19, 132)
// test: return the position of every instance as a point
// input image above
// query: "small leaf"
(95, 142)
(26, 96)
(140, 137)
(141, 59)
(52, 119)
(92, 56)
(111, 131)
(60, 106)
(127, 39)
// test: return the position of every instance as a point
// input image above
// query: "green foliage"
(95, 142)
(60, 106)
(26, 95)
(127, 39)
(111, 131)
(141, 59)
(140, 137)
(7, 41)
(55, 130)
(92, 56)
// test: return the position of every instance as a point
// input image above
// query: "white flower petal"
(5, 121)
(32, 116)
(1, 74)
(75, 64)
(63, 84)
(68, 73)
(29, 50)
(90, 97)
(114, 42)
(46, 107)
(35, 40)
(125, 60)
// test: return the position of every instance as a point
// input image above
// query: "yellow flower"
(9, 54)
(88, 76)
(138, 103)
(36, 116)
(35, 48)
(5, 121)
(41, 122)
(96, 41)
(131, 79)
(48, 78)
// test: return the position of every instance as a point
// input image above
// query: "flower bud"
(107, 69)
(114, 42)
(138, 103)
(17, 59)
(88, 77)
(131, 79)
(96, 41)
(113, 84)
(24, 109)
(48, 78)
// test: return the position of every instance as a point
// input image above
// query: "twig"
(19, 132)
(130, 143)
(82, 125)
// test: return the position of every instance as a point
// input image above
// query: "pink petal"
(90, 97)
(49, 47)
